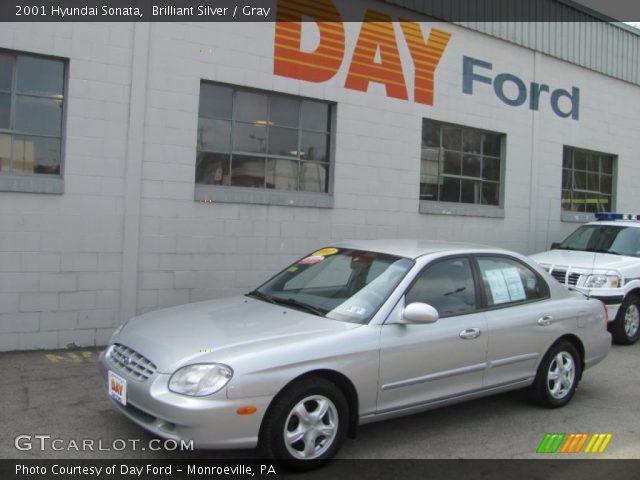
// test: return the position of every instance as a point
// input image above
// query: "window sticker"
(292, 269)
(505, 285)
(514, 284)
(356, 310)
(325, 252)
(311, 260)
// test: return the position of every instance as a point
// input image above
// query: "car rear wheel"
(625, 329)
(305, 425)
(558, 376)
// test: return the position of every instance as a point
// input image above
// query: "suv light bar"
(616, 216)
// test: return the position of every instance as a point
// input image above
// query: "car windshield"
(341, 284)
(614, 239)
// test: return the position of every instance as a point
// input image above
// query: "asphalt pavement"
(53, 406)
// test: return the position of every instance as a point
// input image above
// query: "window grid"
(479, 181)
(12, 131)
(265, 154)
(580, 177)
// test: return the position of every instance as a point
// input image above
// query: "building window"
(587, 181)
(459, 164)
(255, 139)
(31, 112)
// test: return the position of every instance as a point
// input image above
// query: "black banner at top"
(267, 10)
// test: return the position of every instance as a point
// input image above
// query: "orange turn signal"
(248, 410)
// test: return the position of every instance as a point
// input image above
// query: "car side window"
(508, 281)
(446, 285)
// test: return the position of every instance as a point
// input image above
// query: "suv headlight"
(603, 281)
(200, 380)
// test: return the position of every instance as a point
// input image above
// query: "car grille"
(131, 362)
(562, 277)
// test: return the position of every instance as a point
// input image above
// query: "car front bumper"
(612, 304)
(210, 422)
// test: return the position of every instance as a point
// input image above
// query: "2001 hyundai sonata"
(353, 333)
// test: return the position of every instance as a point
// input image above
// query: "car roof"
(617, 223)
(414, 248)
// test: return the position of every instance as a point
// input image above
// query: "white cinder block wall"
(127, 236)
(61, 255)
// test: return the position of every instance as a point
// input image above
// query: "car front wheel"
(558, 376)
(625, 329)
(305, 425)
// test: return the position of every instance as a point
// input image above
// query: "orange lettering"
(425, 57)
(377, 35)
(319, 65)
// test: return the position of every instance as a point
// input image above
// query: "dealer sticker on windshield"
(118, 388)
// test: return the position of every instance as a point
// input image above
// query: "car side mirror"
(555, 245)
(418, 312)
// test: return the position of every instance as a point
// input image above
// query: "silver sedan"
(353, 333)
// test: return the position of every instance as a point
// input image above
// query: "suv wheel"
(625, 329)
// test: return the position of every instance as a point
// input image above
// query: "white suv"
(602, 259)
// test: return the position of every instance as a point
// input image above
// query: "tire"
(625, 329)
(295, 409)
(562, 361)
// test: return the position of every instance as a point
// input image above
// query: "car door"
(424, 363)
(522, 320)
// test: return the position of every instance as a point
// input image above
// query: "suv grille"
(562, 277)
(128, 360)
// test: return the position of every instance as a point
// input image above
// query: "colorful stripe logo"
(574, 442)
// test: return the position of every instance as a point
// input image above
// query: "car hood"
(585, 261)
(208, 331)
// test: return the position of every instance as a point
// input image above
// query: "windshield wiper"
(262, 296)
(292, 302)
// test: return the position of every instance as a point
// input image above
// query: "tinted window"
(31, 114)
(587, 181)
(507, 281)
(459, 164)
(447, 286)
(269, 140)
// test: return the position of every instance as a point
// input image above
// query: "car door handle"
(545, 321)
(470, 333)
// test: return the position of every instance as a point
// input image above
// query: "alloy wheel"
(311, 427)
(561, 375)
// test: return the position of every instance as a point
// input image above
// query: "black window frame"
(328, 163)
(574, 193)
(460, 177)
(34, 180)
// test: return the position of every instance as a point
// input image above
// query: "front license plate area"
(118, 388)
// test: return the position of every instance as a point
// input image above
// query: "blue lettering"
(498, 87)
(574, 98)
(533, 92)
(536, 89)
(468, 75)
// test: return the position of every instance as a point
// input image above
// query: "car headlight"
(603, 281)
(200, 380)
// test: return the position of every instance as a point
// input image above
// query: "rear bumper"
(598, 349)
(210, 422)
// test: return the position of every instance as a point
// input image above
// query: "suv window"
(447, 286)
(507, 281)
